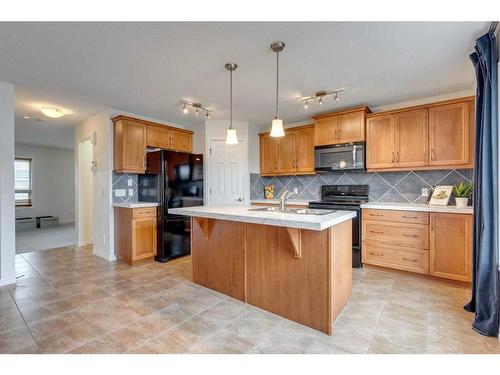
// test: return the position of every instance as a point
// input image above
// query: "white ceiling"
(147, 68)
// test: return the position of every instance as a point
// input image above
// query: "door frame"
(246, 174)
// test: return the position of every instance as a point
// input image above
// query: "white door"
(225, 183)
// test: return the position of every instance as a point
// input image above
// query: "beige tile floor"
(72, 302)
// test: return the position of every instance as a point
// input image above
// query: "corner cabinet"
(340, 127)
(433, 136)
(135, 233)
(132, 136)
(288, 155)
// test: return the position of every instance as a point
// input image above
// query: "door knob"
(238, 199)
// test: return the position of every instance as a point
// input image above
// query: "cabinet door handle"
(375, 254)
(340, 134)
(393, 157)
(275, 165)
(409, 260)
(433, 154)
(374, 231)
(397, 157)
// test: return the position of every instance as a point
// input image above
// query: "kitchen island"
(297, 265)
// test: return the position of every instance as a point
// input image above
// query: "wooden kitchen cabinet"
(340, 127)
(135, 233)
(132, 136)
(451, 246)
(288, 155)
(431, 136)
(449, 134)
(380, 142)
(130, 146)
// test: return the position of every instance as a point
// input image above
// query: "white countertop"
(248, 214)
(135, 204)
(290, 202)
(417, 207)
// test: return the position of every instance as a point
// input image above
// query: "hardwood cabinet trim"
(150, 123)
(364, 109)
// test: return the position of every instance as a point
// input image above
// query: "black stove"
(346, 198)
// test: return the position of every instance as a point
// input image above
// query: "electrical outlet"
(130, 192)
(425, 192)
(120, 193)
(129, 182)
(296, 190)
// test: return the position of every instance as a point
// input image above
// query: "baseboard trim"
(84, 243)
(109, 258)
(7, 281)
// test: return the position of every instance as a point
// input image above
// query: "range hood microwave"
(346, 156)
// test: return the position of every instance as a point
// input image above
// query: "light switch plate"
(129, 182)
(120, 192)
(130, 192)
(425, 192)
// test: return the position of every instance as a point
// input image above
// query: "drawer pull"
(374, 231)
(411, 235)
(410, 217)
(377, 255)
(410, 260)
(376, 214)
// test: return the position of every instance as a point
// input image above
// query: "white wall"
(7, 207)
(217, 129)
(100, 123)
(84, 180)
(53, 182)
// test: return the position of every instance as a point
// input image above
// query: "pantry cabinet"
(132, 136)
(433, 136)
(340, 127)
(288, 155)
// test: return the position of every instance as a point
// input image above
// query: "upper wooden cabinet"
(340, 127)
(290, 154)
(132, 136)
(425, 137)
(451, 246)
(449, 134)
(130, 146)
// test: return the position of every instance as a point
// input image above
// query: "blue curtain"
(485, 300)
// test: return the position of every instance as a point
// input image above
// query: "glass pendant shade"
(231, 138)
(277, 128)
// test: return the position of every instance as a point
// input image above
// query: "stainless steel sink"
(300, 211)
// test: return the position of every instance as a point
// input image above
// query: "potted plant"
(462, 193)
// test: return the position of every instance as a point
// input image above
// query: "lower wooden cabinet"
(135, 233)
(451, 246)
(403, 240)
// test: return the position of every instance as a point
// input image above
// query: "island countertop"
(249, 214)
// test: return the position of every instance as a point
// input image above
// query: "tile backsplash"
(384, 186)
(121, 185)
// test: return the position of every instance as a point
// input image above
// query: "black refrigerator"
(172, 179)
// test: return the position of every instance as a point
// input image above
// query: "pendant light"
(231, 138)
(277, 124)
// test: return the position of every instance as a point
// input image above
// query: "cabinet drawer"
(144, 212)
(398, 257)
(396, 216)
(413, 235)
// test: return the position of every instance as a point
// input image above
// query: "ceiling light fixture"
(52, 112)
(277, 124)
(196, 107)
(26, 117)
(320, 95)
(231, 137)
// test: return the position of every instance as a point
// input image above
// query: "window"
(23, 182)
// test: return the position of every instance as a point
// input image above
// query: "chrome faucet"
(283, 197)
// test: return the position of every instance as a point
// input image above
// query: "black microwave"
(345, 156)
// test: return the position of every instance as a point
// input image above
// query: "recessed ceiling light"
(52, 112)
(27, 117)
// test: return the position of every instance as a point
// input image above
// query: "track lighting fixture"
(196, 107)
(320, 96)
